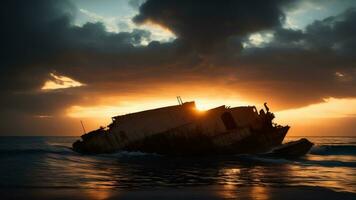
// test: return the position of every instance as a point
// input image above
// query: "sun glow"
(60, 82)
(331, 108)
(206, 105)
(203, 107)
(124, 107)
(302, 120)
(159, 33)
(108, 111)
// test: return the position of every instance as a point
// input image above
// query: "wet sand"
(207, 193)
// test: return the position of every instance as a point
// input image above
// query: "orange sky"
(332, 116)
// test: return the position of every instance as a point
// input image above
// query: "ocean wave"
(128, 154)
(329, 163)
(264, 159)
(301, 162)
(63, 150)
(334, 150)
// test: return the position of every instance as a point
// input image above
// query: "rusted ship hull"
(182, 130)
(201, 144)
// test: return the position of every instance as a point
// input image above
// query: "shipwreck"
(183, 130)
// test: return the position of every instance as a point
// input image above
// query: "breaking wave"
(334, 150)
(329, 163)
(58, 149)
(63, 150)
(307, 161)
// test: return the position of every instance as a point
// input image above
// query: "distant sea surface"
(48, 162)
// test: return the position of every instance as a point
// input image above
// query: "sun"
(204, 105)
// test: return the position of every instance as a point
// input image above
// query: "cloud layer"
(203, 24)
(295, 68)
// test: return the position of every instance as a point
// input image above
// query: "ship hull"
(198, 143)
(257, 142)
(182, 130)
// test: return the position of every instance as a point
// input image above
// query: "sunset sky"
(66, 61)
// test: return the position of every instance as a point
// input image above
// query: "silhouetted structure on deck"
(183, 130)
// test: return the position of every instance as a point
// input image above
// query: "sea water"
(48, 162)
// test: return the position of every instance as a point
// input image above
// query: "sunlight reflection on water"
(56, 167)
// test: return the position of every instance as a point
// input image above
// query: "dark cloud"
(37, 32)
(313, 64)
(36, 36)
(204, 24)
(336, 33)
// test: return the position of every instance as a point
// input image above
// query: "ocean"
(32, 163)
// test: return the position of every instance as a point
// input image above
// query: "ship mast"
(82, 126)
(179, 100)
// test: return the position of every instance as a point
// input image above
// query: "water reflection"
(259, 193)
(156, 172)
(99, 194)
(241, 192)
(107, 173)
(53, 166)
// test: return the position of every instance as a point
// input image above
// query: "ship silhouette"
(183, 130)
